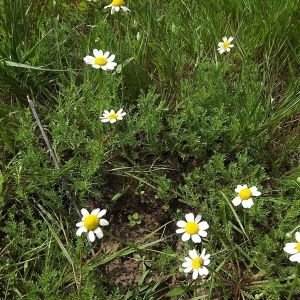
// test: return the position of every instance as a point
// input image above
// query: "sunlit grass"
(198, 123)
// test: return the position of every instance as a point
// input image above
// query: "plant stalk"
(292, 290)
(52, 153)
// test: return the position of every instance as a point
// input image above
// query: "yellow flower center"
(245, 194)
(191, 227)
(197, 262)
(112, 116)
(118, 3)
(298, 247)
(91, 222)
(101, 61)
(226, 44)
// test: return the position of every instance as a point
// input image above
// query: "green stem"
(120, 37)
(294, 283)
(119, 240)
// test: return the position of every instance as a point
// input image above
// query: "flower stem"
(294, 283)
(52, 153)
(119, 240)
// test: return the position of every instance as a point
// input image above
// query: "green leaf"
(1, 182)
(25, 66)
(123, 64)
(176, 292)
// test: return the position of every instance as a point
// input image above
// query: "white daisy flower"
(192, 228)
(294, 249)
(112, 116)
(101, 60)
(244, 195)
(196, 263)
(116, 5)
(225, 46)
(91, 223)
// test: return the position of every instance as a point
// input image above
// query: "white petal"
(186, 264)
(204, 257)
(96, 66)
(91, 236)
(111, 58)
(104, 222)
(84, 212)
(180, 230)
(290, 248)
(202, 233)
(101, 213)
(80, 231)
(120, 117)
(117, 8)
(104, 120)
(295, 257)
(188, 269)
(206, 262)
(195, 274)
(204, 271)
(107, 6)
(198, 218)
(190, 217)
(99, 233)
(254, 191)
(123, 114)
(247, 203)
(79, 224)
(236, 201)
(297, 236)
(256, 194)
(95, 211)
(203, 225)
(89, 59)
(96, 53)
(112, 121)
(106, 54)
(224, 38)
(196, 238)
(230, 39)
(239, 188)
(185, 237)
(193, 253)
(188, 259)
(109, 66)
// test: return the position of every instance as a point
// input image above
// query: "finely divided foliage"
(204, 153)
